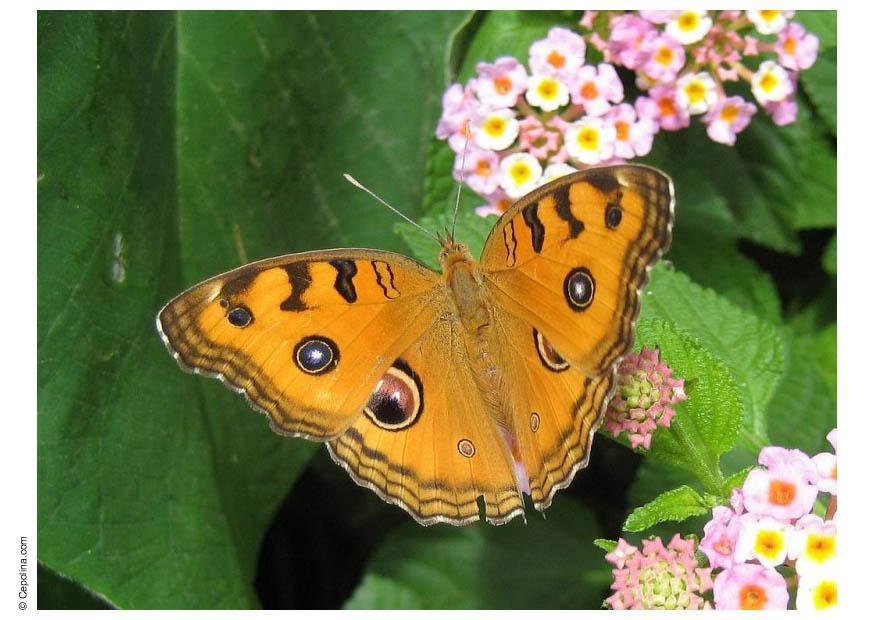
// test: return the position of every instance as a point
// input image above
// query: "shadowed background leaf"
(173, 146)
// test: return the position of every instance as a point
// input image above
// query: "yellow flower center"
(769, 15)
(820, 548)
(768, 82)
(556, 59)
(495, 126)
(781, 493)
(769, 543)
(622, 128)
(520, 172)
(484, 168)
(664, 55)
(688, 21)
(696, 91)
(729, 113)
(589, 90)
(548, 89)
(502, 85)
(790, 45)
(752, 596)
(825, 595)
(588, 138)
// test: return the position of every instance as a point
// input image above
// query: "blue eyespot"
(316, 355)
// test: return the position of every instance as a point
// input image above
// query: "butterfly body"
(448, 394)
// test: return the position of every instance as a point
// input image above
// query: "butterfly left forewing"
(571, 258)
(304, 336)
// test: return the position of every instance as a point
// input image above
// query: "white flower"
(555, 171)
(769, 22)
(547, 92)
(590, 140)
(817, 592)
(812, 544)
(689, 26)
(520, 174)
(697, 92)
(771, 82)
(762, 538)
(496, 130)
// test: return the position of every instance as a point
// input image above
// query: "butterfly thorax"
(465, 282)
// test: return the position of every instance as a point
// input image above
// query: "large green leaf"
(549, 563)
(750, 347)
(171, 147)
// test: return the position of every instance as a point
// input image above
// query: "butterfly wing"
(430, 445)
(571, 258)
(565, 266)
(305, 336)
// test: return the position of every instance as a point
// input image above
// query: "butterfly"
(449, 394)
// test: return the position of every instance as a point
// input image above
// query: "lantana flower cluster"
(527, 125)
(771, 524)
(646, 391)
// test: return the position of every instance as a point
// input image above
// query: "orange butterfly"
(433, 390)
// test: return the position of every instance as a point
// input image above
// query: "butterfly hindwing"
(306, 336)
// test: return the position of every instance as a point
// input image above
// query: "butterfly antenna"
(459, 188)
(351, 179)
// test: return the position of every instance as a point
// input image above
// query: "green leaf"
(57, 591)
(605, 545)
(829, 261)
(707, 423)
(777, 180)
(705, 227)
(819, 83)
(675, 505)
(803, 409)
(504, 33)
(654, 477)
(821, 23)
(546, 564)
(750, 348)
(171, 147)
(735, 481)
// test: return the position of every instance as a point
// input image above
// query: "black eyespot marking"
(613, 214)
(535, 422)
(466, 448)
(316, 355)
(579, 289)
(241, 316)
(550, 358)
(396, 403)
(223, 303)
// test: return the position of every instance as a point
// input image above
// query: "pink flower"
(628, 34)
(727, 118)
(751, 46)
(658, 17)
(588, 19)
(594, 88)
(763, 539)
(797, 48)
(481, 171)
(782, 112)
(459, 107)
(645, 391)
(537, 139)
(825, 463)
(499, 202)
(658, 577)
(784, 491)
(664, 58)
(721, 535)
(663, 107)
(750, 586)
(561, 54)
(499, 84)
(813, 545)
(634, 135)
